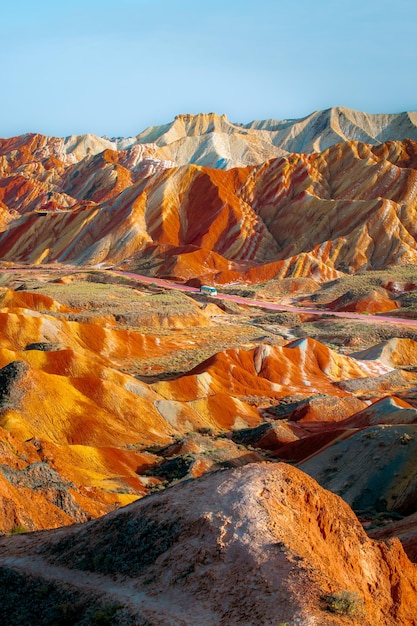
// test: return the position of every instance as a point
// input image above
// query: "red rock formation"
(405, 530)
(376, 301)
(304, 366)
(348, 208)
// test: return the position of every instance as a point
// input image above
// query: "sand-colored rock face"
(214, 141)
(260, 544)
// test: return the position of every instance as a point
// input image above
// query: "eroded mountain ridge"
(112, 389)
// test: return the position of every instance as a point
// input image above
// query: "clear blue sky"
(114, 67)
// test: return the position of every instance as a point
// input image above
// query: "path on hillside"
(113, 589)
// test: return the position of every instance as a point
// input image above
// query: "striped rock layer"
(78, 432)
(347, 209)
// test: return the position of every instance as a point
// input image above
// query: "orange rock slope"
(303, 366)
(348, 208)
(75, 423)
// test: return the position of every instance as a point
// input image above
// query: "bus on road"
(210, 291)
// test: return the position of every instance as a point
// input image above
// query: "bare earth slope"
(262, 544)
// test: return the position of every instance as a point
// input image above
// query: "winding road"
(263, 304)
(368, 318)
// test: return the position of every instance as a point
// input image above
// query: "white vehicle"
(210, 291)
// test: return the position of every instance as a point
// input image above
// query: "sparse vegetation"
(105, 615)
(172, 469)
(362, 283)
(347, 335)
(28, 601)
(19, 529)
(342, 603)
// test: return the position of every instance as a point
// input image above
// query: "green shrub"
(342, 602)
(66, 614)
(18, 530)
(104, 616)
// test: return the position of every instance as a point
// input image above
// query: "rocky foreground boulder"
(262, 544)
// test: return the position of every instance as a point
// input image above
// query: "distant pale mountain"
(214, 141)
(322, 129)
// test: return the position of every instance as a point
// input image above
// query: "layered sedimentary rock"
(376, 301)
(73, 423)
(214, 141)
(395, 352)
(304, 366)
(89, 200)
(349, 208)
(81, 432)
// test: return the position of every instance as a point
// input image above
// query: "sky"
(115, 67)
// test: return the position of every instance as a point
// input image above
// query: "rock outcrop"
(260, 544)
(102, 404)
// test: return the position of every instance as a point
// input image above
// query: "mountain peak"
(188, 117)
